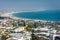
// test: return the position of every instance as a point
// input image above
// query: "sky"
(28, 5)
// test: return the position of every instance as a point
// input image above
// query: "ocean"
(49, 15)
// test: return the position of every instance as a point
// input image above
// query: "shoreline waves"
(7, 14)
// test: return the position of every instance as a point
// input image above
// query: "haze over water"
(29, 5)
(33, 5)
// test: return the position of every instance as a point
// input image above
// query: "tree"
(3, 37)
(34, 37)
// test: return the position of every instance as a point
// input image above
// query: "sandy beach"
(10, 14)
(6, 14)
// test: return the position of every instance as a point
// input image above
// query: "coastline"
(10, 14)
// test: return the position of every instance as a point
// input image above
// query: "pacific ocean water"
(49, 15)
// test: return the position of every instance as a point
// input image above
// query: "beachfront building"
(42, 31)
(21, 35)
